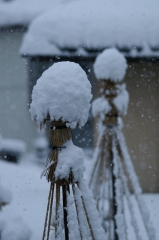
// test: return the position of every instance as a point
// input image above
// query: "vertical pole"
(64, 191)
(114, 203)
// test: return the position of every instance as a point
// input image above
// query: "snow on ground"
(30, 193)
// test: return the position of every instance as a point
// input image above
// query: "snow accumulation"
(70, 159)
(110, 65)
(62, 92)
(87, 26)
(29, 199)
(29, 194)
(13, 228)
(100, 105)
(21, 13)
(121, 101)
(14, 145)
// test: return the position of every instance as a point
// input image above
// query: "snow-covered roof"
(21, 13)
(85, 27)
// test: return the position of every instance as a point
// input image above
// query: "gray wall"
(141, 127)
(15, 119)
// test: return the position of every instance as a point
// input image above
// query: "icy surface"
(83, 25)
(110, 65)
(20, 12)
(70, 159)
(62, 92)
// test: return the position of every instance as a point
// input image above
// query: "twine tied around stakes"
(113, 178)
(62, 193)
(59, 135)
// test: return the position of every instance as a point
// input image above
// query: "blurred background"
(36, 34)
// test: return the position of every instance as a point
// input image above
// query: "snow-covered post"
(113, 169)
(62, 96)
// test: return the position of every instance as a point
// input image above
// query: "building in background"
(80, 34)
(15, 17)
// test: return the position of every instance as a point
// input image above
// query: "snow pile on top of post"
(62, 92)
(110, 65)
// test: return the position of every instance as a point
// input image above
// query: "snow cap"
(110, 65)
(62, 92)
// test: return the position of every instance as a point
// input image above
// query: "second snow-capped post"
(113, 171)
(109, 68)
(62, 97)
